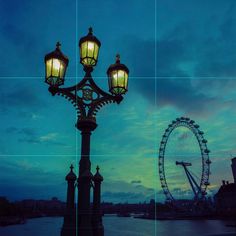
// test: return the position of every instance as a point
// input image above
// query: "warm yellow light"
(118, 77)
(56, 67)
(89, 53)
(90, 46)
(48, 68)
(119, 81)
(56, 64)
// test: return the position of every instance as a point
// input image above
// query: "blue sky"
(181, 59)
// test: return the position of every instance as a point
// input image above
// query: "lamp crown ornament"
(90, 30)
(71, 176)
(118, 58)
(89, 49)
(97, 177)
(71, 168)
(58, 45)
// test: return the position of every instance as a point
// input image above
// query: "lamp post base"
(68, 231)
(69, 225)
(85, 232)
(99, 231)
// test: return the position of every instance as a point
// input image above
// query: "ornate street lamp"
(56, 64)
(88, 98)
(89, 49)
(118, 77)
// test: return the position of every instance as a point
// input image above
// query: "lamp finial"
(117, 58)
(58, 45)
(71, 167)
(90, 30)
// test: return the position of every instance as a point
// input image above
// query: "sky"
(181, 58)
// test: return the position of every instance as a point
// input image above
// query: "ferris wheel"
(198, 187)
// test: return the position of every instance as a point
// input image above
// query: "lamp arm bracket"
(86, 97)
(71, 96)
(102, 101)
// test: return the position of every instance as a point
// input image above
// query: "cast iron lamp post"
(87, 98)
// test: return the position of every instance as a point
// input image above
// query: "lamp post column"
(98, 228)
(84, 218)
(69, 225)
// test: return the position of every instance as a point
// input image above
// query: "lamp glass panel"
(56, 65)
(126, 80)
(62, 70)
(121, 78)
(83, 50)
(48, 68)
(118, 81)
(91, 46)
(114, 78)
(96, 48)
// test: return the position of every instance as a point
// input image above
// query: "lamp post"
(87, 98)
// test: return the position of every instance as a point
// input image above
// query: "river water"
(119, 226)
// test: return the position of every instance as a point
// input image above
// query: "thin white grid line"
(155, 71)
(233, 77)
(154, 155)
(73, 155)
(76, 133)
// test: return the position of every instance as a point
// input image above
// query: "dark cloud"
(169, 53)
(177, 92)
(136, 182)
(183, 96)
(16, 36)
(11, 129)
(150, 189)
(27, 131)
(187, 49)
(120, 191)
(23, 191)
(31, 136)
(32, 181)
(183, 136)
(175, 85)
(20, 100)
(123, 196)
(139, 186)
(180, 94)
(178, 192)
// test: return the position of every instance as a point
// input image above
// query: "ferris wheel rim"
(202, 143)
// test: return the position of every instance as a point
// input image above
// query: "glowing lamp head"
(56, 63)
(118, 77)
(89, 49)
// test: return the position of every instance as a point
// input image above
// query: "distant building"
(35, 208)
(225, 197)
(233, 165)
